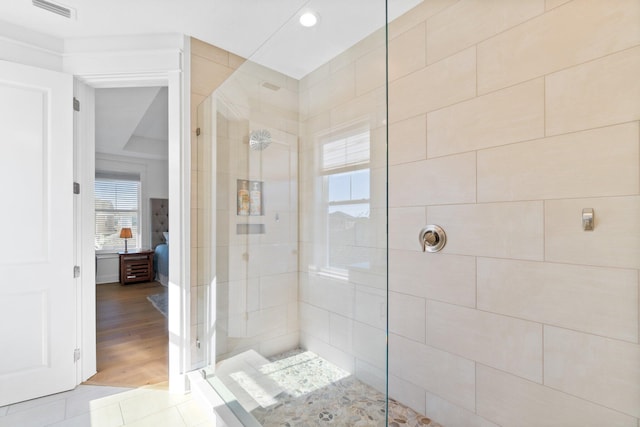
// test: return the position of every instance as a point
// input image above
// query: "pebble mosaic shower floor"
(300, 389)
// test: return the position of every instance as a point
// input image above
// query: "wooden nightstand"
(136, 266)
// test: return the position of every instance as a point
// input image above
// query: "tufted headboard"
(159, 220)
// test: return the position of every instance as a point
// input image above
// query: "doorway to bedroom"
(131, 236)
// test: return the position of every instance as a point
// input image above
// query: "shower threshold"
(300, 388)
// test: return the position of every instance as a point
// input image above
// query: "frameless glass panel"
(299, 170)
(527, 161)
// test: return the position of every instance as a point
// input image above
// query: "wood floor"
(132, 339)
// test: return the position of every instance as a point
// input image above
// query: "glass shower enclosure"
(295, 151)
(519, 142)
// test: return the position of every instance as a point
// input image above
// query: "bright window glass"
(347, 183)
(117, 205)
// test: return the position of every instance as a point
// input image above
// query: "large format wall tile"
(614, 241)
(450, 179)
(576, 32)
(439, 372)
(509, 344)
(336, 89)
(371, 306)
(511, 401)
(551, 4)
(369, 344)
(207, 75)
(315, 321)
(448, 278)
(510, 115)
(598, 369)
(504, 230)
(451, 415)
(444, 83)
(598, 93)
(407, 316)
(407, 393)
(468, 22)
(408, 140)
(371, 71)
(407, 52)
(417, 15)
(599, 162)
(404, 226)
(597, 300)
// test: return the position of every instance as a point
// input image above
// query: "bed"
(160, 239)
(161, 262)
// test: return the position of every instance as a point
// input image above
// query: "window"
(117, 205)
(345, 164)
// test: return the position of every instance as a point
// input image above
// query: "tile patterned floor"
(101, 406)
(301, 389)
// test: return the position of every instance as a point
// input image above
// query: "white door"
(37, 289)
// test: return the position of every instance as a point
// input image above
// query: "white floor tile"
(83, 420)
(37, 416)
(166, 418)
(109, 416)
(91, 399)
(193, 413)
(29, 404)
(149, 403)
(99, 406)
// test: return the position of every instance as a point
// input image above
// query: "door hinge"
(76, 271)
(76, 188)
(76, 104)
(76, 355)
(197, 131)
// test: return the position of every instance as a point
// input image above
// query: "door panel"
(37, 289)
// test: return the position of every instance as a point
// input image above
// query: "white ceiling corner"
(266, 32)
(267, 29)
(132, 122)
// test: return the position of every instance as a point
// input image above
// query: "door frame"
(135, 61)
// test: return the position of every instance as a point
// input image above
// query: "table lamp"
(125, 233)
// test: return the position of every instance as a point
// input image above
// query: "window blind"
(117, 205)
(346, 152)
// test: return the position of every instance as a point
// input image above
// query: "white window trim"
(354, 128)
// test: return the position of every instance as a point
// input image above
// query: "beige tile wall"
(343, 311)
(524, 114)
(257, 280)
(506, 119)
(210, 67)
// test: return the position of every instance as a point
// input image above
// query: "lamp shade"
(125, 233)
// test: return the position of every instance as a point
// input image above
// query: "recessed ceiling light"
(308, 19)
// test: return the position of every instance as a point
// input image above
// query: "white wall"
(27, 47)
(154, 180)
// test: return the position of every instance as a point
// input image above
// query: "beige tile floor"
(101, 406)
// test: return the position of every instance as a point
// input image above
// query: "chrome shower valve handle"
(432, 238)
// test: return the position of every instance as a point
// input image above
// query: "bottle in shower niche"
(243, 197)
(256, 199)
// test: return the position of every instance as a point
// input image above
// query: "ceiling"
(244, 27)
(133, 121)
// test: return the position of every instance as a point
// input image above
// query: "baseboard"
(111, 278)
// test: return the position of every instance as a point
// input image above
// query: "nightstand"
(136, 266)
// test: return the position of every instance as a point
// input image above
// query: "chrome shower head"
(259, 139)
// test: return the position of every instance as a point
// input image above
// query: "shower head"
(259, 139)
